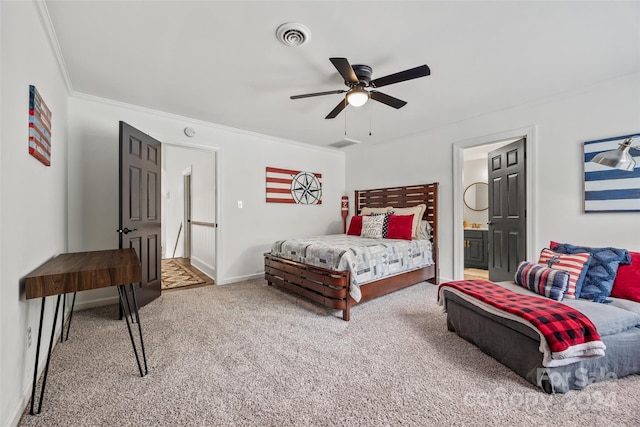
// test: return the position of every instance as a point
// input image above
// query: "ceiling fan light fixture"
(358, 77)
(357, 97)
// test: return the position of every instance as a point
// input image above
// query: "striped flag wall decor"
(39, 127)
(607, 189)
(291, 186)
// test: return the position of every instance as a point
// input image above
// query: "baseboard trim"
(99, 302)
(26, 391)
(206, 268)
(237, 279)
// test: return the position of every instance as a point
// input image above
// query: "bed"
(519, 347)
(335, 285)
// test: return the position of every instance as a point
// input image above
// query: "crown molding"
(47, 26)
(196, 122)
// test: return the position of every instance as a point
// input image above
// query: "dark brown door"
(507, 210)
(140, 206)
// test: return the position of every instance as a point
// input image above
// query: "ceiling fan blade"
(341, 106)
(309, 95)
(345, 69)
(386, 99)
(412, 73)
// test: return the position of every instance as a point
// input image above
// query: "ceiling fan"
(358, 78)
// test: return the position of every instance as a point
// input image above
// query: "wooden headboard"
(404, 197)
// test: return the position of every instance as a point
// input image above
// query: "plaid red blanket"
(566, 334)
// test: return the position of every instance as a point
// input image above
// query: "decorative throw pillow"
(372, 226)
(627, 282)
(417, 212)
(368, 211)
(355, 226)
(575, 264)
(542, 280)
(425, 230)
(385, 223)
(400, 227)
(602, 270)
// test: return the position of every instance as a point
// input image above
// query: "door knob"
(125, 230)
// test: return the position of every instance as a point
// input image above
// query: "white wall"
(34, 197)
(475, 171)
(244, 234)
(562, 124)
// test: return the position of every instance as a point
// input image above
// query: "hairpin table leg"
(35, 368)
(64, 305)
(135, 305)
(122, 295)
(46, 368)
(73, 304)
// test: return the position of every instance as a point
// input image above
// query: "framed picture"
(39, 127)
(292, 186)
(607, 189)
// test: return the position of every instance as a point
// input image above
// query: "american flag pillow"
(575, 264)
(542, 280)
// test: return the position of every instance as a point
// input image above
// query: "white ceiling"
(220, 61)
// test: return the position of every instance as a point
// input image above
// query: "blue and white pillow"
(542, 280)
(602, 269)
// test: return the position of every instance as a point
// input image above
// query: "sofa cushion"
(574, 264)
(542, 280)
(627, 282)
(602, 269)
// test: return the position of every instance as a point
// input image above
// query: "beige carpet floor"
(248, 354)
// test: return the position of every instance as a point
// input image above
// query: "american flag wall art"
(607, 189)
(292, 186)
(39, 127)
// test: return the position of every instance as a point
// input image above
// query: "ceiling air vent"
(344, 143)
(292, 34)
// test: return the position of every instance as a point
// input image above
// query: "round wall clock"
(306, 188)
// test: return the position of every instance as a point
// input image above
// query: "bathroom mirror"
(476, 196)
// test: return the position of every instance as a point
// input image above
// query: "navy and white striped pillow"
(542, 280)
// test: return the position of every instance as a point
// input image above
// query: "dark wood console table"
(80, 271)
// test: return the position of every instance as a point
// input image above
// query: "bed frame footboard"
(326, 287)
(331, 288)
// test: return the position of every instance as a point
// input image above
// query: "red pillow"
(400, 227)
(627, 282)
(355, 226)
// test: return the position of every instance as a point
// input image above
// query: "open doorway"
(494, 209)
(189, 203)
(472, 202)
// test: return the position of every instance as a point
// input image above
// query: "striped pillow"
(575, 264)
(542, 280)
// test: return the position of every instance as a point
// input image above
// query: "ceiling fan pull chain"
(370, 115)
